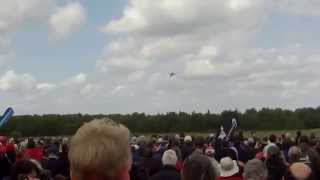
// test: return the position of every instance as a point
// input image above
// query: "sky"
(116, 56)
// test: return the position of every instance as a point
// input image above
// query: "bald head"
(300, 171)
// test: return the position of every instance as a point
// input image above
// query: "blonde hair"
(100, 148)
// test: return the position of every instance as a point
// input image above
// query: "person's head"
(298, 133)
(287, 142)
(187, 139)
(314, 159)
(3, 140)
(199, 142)
(264, 140)
(255, 170)
(273, 152)
(230, 152)
(25, 169)
(287, 135)
(298, 171)
(53, 151)
(236, 139)
(304, 139)
(294, 154)
(198, 167)
(31, 143)
(312, 136)
(210, 151)
(169, 158)
(100, 150)
(64, 148)
(273, 138)
(228, 167)
(146, 152)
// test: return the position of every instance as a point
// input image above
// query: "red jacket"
(34, 153)
(7, 148)
(229, 178)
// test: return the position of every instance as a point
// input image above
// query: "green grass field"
(260, 133)
(279, 132)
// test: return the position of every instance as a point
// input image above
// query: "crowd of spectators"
(105, 150)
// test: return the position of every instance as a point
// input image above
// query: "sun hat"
(228, 167)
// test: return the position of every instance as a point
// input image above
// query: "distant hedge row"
(251, 119)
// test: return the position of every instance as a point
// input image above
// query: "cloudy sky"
(115, 56)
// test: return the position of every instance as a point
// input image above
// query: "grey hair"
(294, 150)
(254, 170)
(294, 154)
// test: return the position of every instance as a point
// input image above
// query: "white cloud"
(14, 16)
(298, 7)
(165, 17)
(78, 79)
(118, 89)
(211, 46)
(11, 81)
(181, 30)
(90, 89)
(46, 86)
(135, 76)
(207, 40)
(125, 63)
(14, 13)
(240, 5)
(199, 68)
(67, 20)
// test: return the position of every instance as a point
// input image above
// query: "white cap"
(160, 140)
(187, 139)
(135, 146)
(169, 158)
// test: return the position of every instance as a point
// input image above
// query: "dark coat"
(146, 168)
(276, 169)
(7, 159)
(186, 150)
(167, 173)
(57, 166)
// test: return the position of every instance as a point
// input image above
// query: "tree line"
(251, 119)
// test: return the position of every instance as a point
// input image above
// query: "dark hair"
(23, 167)
(147, 152)
(198, 167)
(298, 133)
(304, 139)
(229, 152)
(31, 143)
(199, 142)
(275, 163)
(273, 138)
(314, 158)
